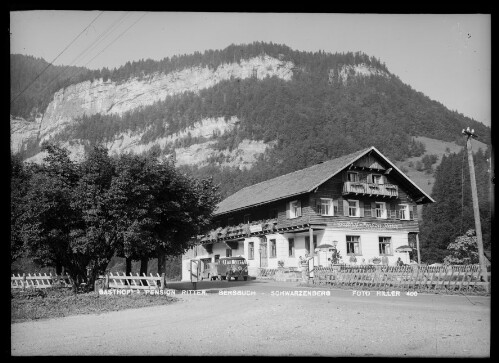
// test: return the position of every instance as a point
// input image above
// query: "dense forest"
(452, 215)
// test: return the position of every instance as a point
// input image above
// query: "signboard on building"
(369, 225)
(255, 228)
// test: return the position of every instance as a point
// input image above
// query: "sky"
(445, 56)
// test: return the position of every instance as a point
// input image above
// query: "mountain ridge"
(286, 108)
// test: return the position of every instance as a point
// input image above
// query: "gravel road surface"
(345, 323)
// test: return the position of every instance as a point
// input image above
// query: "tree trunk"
(58, 269)
(143, 268)
(128, 268)
(161, 262)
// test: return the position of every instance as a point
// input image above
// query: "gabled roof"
(300, 182)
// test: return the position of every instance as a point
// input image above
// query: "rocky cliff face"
(346, 72)
(22, 133)
(108, 97)
(88, 98)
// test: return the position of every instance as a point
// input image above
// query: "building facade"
(359, 207)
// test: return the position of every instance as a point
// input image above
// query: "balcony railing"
(385, 190)
(241, 230)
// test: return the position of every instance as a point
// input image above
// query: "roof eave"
(262, 203)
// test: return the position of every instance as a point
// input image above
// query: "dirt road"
(345, 323)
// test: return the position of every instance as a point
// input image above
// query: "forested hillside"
(452, 215)
(331, 105)
(25, 70)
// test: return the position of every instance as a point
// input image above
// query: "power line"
(38, 76)
(99, 39)
(115, 39)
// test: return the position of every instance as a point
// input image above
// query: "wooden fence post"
(24, 281)
(106, 283)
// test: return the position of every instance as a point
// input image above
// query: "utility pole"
(478, 226)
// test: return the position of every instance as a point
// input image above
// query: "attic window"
(352, 177)
(378, 179)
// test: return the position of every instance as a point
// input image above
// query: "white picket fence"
(108, 281)
(38, 281)
(117, 281)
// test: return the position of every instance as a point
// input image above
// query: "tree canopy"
(80, 215)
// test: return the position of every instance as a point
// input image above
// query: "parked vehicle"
(226, 268)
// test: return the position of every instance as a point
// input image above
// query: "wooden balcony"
(240, 231)
(371, 189)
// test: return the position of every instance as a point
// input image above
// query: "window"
(251, 250)
(380, 210)
(385, 246)
(307, 243)
(377, 179)
(247, 218)
(217, 257)
(404, 212)
(273, 251)
(294, 209)
(325, 207)
(353, 208)
(291, 247)
(353, 245)
(352, 177)
(228, 252)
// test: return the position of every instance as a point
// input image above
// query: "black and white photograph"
(250, 184)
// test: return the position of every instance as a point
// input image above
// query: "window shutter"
(397, 211)
(393, 212)
(345, 208)
(345, 176)
(335, 207)
(369, 178)
(361, 208)
(367, 209)
(318, 206)
(411, 212)
(298, 206)
(287, 209)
